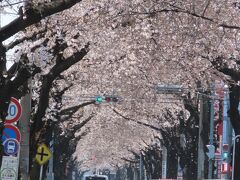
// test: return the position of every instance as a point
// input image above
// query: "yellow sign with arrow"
(43, 154)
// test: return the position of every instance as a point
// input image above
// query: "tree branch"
(180, 10)
(130, 160)
(71, 110)
(34, 15)
(85, 121)
(136, 121)
(47, 84)
(19, 41)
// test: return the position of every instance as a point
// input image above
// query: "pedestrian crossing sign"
(43, 154)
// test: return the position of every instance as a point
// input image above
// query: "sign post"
(41, 171)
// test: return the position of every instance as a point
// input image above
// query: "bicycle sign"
(14, 111)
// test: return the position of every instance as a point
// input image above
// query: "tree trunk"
(235, 120)
(172, 164)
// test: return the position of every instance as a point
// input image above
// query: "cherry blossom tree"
(32, 13)
(127, 48)
(156, 41)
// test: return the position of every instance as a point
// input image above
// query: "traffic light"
(106, 98)
(225, 150)
(211, 151)
(98, 99)
(225, 155)
(224, 168)
(111, 99)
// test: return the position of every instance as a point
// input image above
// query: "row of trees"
(80, 49)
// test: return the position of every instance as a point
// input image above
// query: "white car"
(95, 177)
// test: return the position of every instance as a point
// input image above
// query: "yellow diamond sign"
(43, 154)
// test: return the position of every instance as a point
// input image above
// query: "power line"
(10, 4)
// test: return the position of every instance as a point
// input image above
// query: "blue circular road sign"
(11, 131)
(11, 146)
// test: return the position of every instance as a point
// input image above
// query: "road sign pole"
(41, 171)
(24, 126)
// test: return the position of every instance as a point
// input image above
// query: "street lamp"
(234, 147)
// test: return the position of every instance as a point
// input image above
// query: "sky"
(8, 14)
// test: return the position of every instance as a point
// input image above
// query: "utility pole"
(141, 173)
(164, 162)
(210, 163)
(24, 126)
(227, 133)
(200, 172)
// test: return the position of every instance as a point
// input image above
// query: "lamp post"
(234, 147)
(211, 138)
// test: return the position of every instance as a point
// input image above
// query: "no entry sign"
(14, 111)
(11, 131)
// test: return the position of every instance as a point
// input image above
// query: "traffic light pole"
(233, 161)
(164, 162)
(141, 166)
(200, 174)
(210, 163)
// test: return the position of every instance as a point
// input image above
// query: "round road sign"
(11, 147)
(8, 174)
(14, 111)
(11, 131)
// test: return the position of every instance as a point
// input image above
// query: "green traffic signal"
(225, 155)
(99, 99)
(108, 99)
